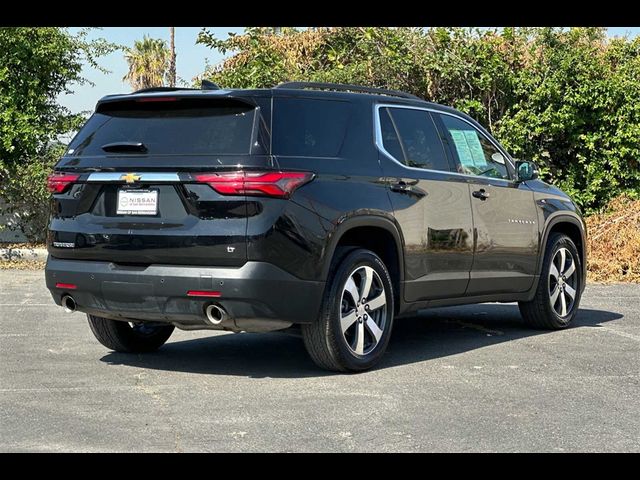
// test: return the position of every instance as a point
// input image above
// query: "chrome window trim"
(380, 146)
(160, 177)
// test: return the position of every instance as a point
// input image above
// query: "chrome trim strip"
(159, 177)
(378, 136)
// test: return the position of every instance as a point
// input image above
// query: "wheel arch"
(573, 227)
(373, 233)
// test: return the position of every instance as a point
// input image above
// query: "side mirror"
(526, 170)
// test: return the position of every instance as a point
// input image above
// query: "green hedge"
(36, 66)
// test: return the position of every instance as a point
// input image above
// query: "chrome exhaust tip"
(215, 314)
(69, 304)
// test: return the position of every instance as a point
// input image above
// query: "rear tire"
(122, 337)
(351, 335)
(557, 297)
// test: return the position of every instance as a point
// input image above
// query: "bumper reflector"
(203, 293)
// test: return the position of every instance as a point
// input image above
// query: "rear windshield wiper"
(125, 147)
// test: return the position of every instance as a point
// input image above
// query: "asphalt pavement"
(461, 379)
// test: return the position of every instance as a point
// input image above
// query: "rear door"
(138, 197)
(429, 202)
(504, 213)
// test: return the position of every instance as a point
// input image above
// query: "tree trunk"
(172, 58)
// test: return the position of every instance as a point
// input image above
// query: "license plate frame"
(137, 202)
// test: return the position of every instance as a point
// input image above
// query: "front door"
(504, 213)
(431, 205)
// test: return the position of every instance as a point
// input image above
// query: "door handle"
(482, 194)
(401, 186)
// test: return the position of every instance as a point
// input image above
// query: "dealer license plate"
(137, 202)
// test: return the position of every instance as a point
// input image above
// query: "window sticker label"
(469, 148)
(476, 149)
(462, 147)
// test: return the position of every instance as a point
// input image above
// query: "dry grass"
(613, 252)
(21, 265)
(23, 245)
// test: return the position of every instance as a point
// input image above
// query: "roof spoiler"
(205, 85)
(344, 87)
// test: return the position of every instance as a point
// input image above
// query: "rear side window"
(390, 139)
(411, 137)
(169, 127)
(309, 128)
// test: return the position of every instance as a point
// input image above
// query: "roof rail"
(161, 89)
(343, 87)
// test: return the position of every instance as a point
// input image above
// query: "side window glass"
(476, 154)
(410, 136)
(309, 127)
(390, 139)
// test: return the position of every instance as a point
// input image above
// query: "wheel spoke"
(347, 320)
(352, 289)
(368, 279)
(563, 305)
(553, 271)
(554, 296)
(359, 349)
(563, 257)
(378, 302)
(374, 329)
(570, 270)
(570, 291)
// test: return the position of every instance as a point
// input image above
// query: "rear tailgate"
(132, 195)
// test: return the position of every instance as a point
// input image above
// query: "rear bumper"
(257, 296)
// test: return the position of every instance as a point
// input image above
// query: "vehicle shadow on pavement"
(427, 335)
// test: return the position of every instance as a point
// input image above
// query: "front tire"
(557, 297)
(129, 337)
(356, 318)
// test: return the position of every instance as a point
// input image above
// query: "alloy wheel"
(363, 310)
(563, 282)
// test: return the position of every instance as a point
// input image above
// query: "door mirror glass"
(526, 170)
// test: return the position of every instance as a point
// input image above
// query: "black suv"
(332, 207)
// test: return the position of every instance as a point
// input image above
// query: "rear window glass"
(309, 128)
(172, 127)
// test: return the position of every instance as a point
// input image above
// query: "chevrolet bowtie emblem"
(130, 177)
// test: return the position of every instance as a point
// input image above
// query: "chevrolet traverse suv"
(335, 208)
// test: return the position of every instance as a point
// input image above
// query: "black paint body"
(448, 246)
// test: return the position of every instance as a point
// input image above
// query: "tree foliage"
(568, 99)
(36, 66)
(149, 63)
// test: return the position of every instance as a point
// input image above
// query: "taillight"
(271, 184)
(58, 182)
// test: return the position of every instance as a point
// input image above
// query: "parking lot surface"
(470, 378)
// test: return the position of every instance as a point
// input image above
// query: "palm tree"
(172, 58)
(148, 63)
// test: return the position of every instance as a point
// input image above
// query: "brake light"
(156, 99)
(58, 182)
(271, 184)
